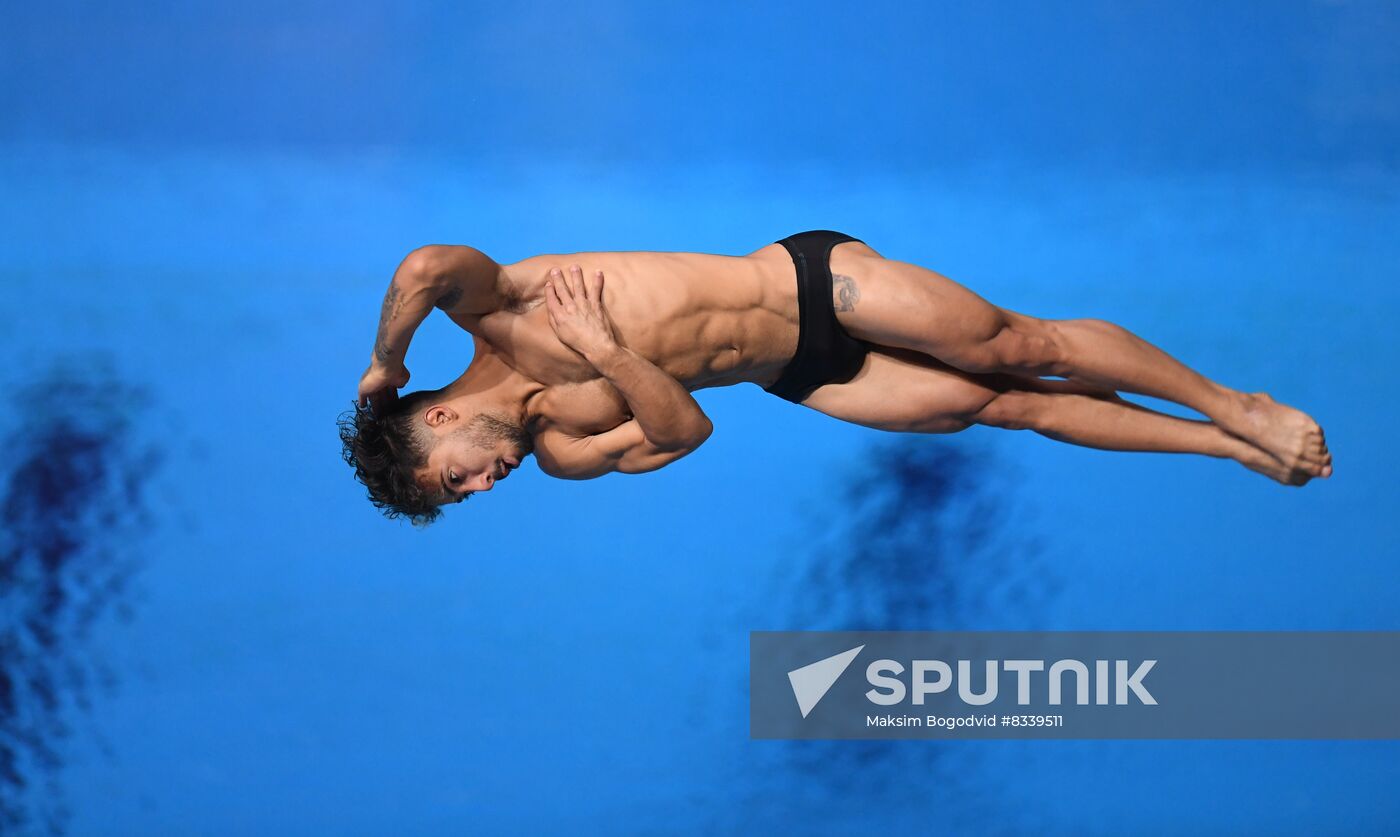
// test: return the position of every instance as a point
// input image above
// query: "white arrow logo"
(811, 682)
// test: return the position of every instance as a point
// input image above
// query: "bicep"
(624, 449)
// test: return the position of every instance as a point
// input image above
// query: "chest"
(527, 344)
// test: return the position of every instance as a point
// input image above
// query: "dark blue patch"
(72, 500)
(920, 533)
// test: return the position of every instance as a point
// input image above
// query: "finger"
(575, 280)
(560, 286)
(594, 286)
(584, 291)
(565, 296)
(551, 296)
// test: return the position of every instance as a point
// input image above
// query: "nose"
(485, 482)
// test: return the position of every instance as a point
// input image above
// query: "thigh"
(905, 391)
(906, 306)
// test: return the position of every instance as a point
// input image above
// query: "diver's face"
(472, 458)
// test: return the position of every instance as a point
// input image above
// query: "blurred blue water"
(214, 200)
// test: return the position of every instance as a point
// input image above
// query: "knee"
(1012, 410)
(1035, 347)
(1027, 346)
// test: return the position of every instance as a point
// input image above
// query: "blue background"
(208, 630)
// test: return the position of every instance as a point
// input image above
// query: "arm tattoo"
(847, 294)
(388, 311)
(450, 298)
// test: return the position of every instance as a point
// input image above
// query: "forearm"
(667, 412)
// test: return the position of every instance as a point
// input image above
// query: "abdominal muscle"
(706, 320)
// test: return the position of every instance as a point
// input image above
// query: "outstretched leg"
(898, 304)
(906, 391)
(1102, 420)
(1105, 355)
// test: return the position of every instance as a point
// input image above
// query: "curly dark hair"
(385, 451)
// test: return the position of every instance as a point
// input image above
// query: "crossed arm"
(667, 422)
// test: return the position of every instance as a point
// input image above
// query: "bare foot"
(1289, 436)
(1261, 462)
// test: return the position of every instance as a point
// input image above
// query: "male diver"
(588, 361)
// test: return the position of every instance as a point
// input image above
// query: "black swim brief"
(825, 354)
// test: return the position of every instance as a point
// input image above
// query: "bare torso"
(707, 320)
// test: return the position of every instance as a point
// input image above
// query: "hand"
(380, 384)
(576, 314)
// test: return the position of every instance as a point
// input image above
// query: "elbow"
(428, 266)
(688, 439)
(705, 429)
